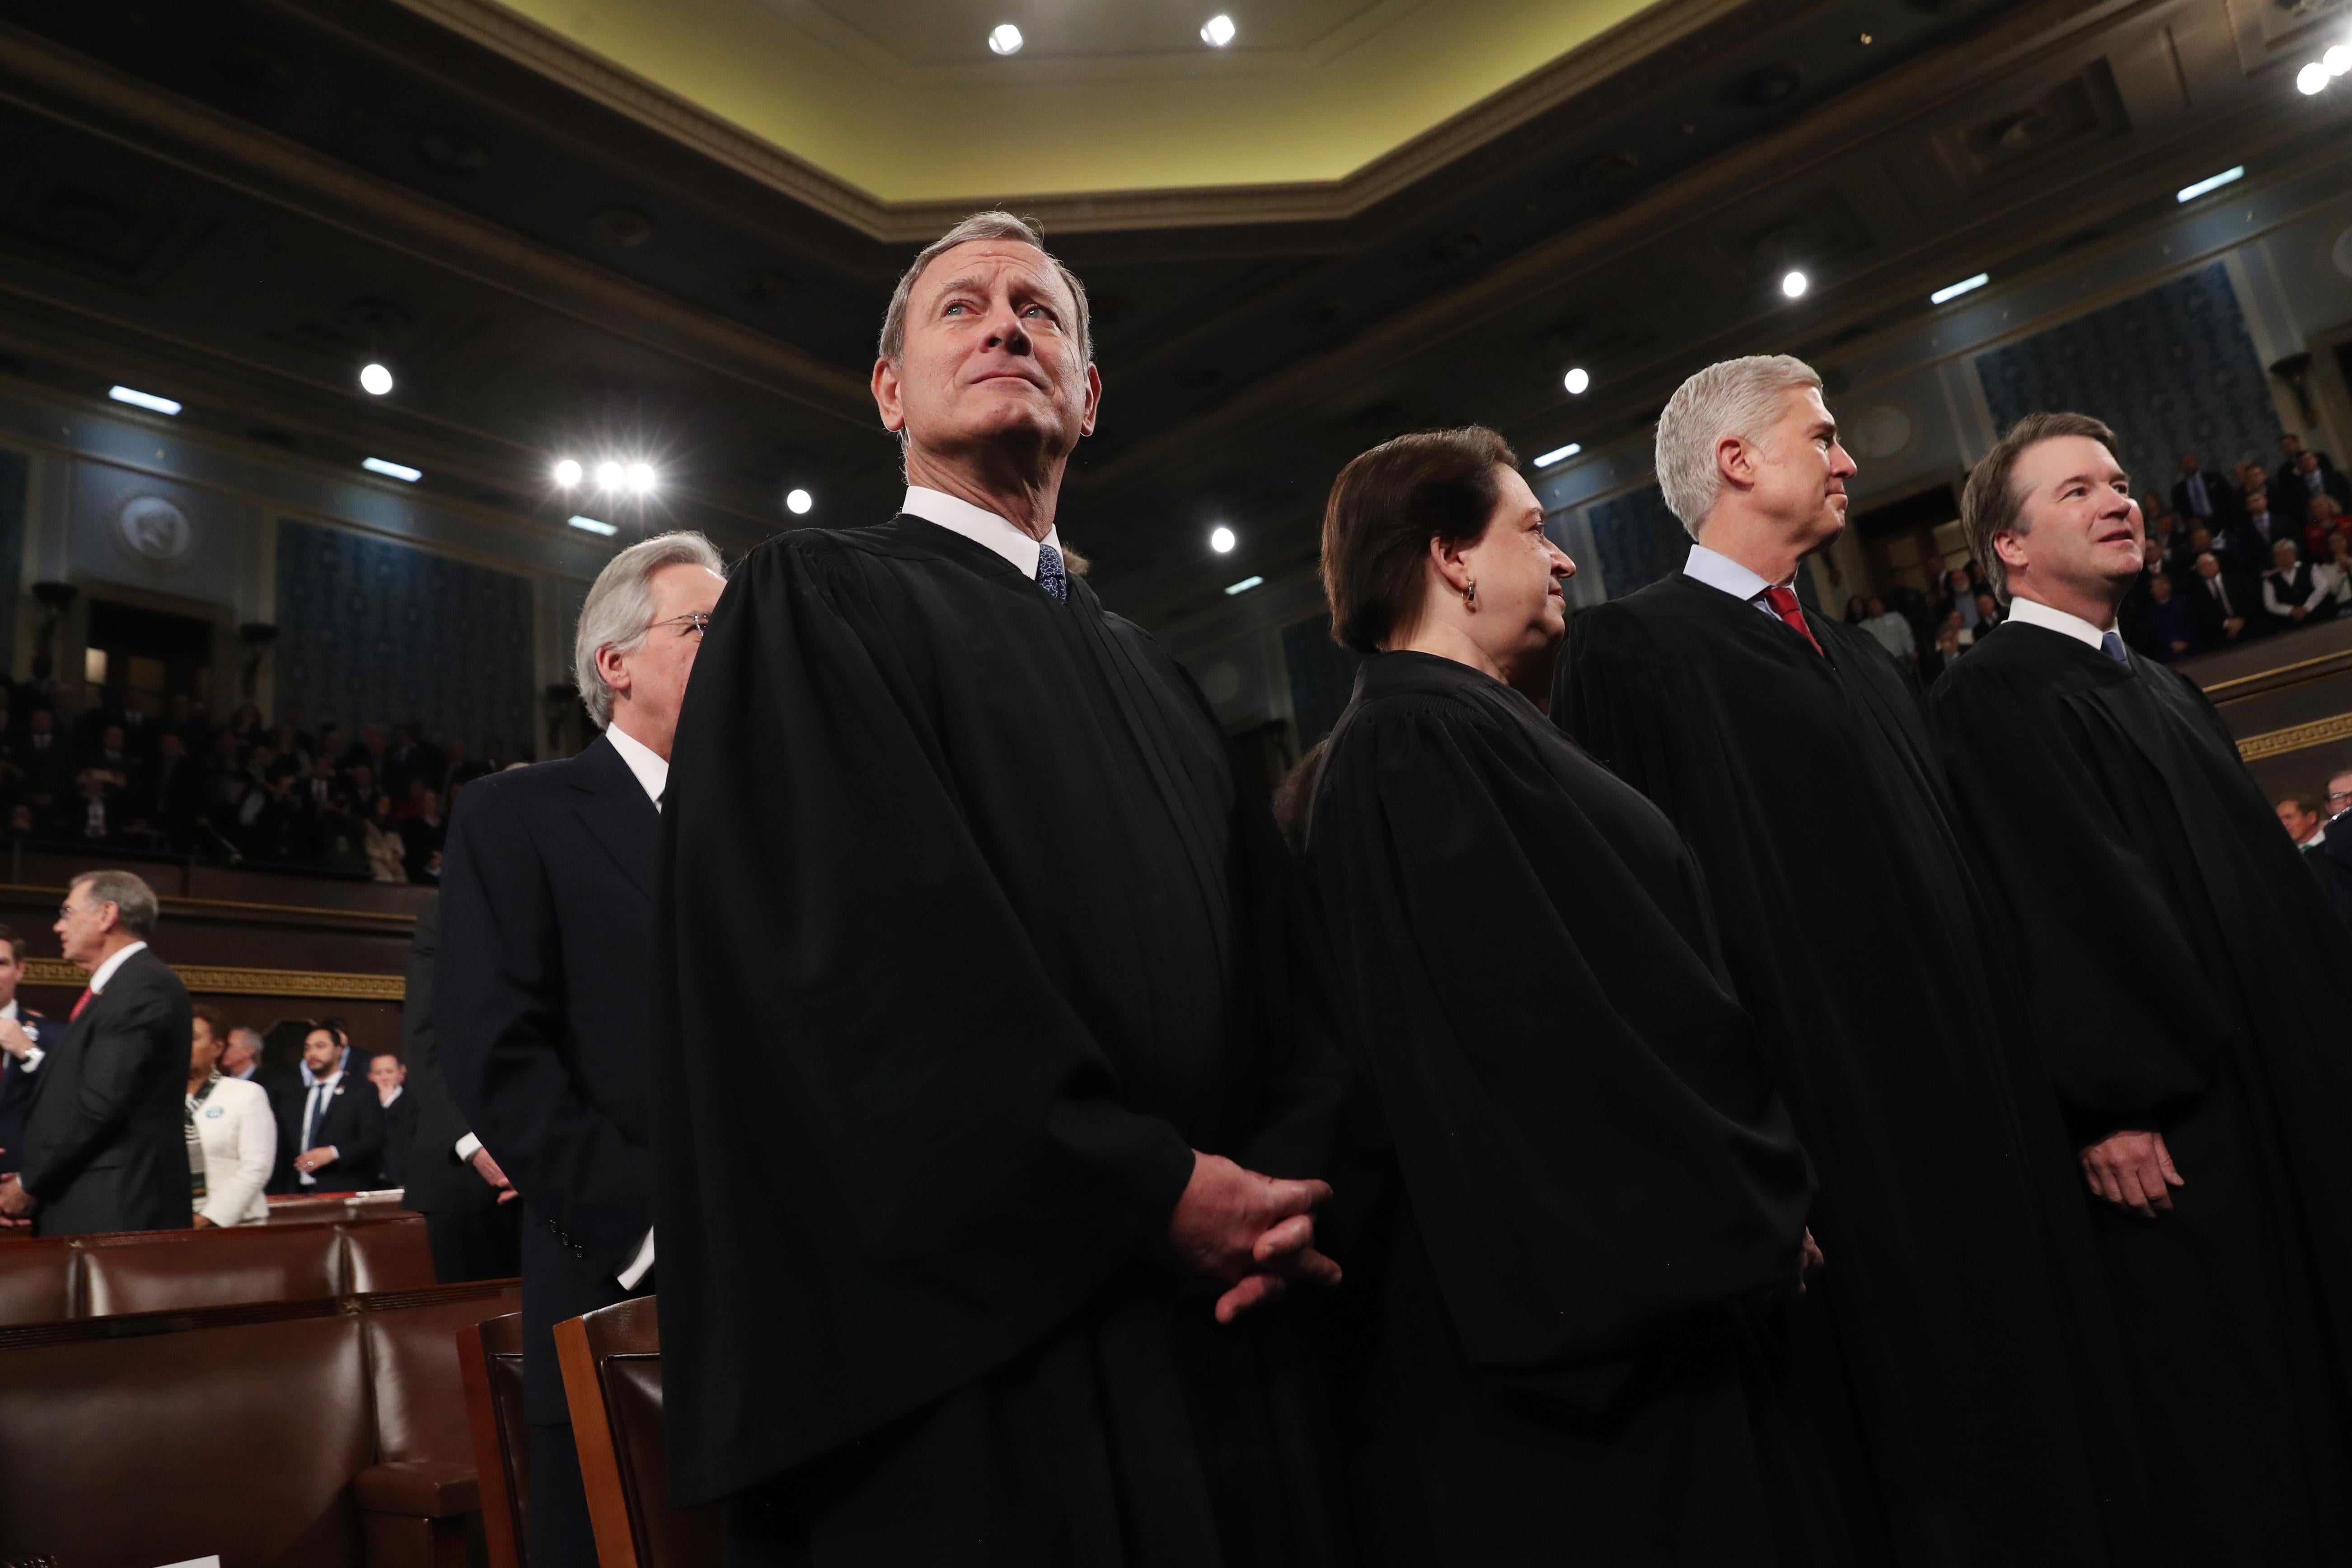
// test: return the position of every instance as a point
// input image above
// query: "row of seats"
(47, 1281)
(329, 1432)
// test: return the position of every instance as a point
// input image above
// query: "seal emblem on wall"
(155, 531)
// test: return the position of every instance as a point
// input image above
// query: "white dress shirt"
(652, 771)
(105, 972)
(2034, 613)
(982, 527)
(1722, 572)
(31, 1060)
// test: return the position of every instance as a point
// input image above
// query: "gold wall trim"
(2339, 655)
(214, 979)
(2300, 737)
(174, 901)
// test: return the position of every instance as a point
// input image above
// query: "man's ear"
(2010, 547)
(1094, 400)
(887, 389)
(1735, 460)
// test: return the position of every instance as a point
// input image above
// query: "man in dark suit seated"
(390, 1077)
(545, 1012)
(25, 1040)
(2223, 604)
(2304, 474)
(2258, 532)
(2293, 592)
(46, 761)
(329, 1127)
(473, 1216)
(2198, 497)
(106, 1148)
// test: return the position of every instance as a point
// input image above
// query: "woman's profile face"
(1522, 608)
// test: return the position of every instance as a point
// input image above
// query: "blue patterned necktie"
(1050, 575)
(2113, 647)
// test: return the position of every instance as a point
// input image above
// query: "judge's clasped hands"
(1249, 1233)
(2133, 1171)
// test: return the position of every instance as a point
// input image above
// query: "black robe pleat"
(1595, 1192)
(966, 940)
(1943, 1358)
(2181, 971)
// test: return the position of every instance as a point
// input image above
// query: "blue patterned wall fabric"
(15, 481)
(2173, 370)
(371, 631)
(1637, 539)
(1322, 676)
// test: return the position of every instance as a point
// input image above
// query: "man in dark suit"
(329, 1127)
(2224, 606)
(2199, 498)
(25, 1040)
(2335, 846)
(473, 1220)
(168, 791)
(545, 906)
(2258, 532)
(46, 760)
(389, 1074)
(106, 1148)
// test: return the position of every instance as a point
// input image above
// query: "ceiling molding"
(1690, 31)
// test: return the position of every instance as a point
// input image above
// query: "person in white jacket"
(232, 1131)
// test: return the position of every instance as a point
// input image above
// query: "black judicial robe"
(1596, 1191)
(2180, 970)
(968, 937)
(1932, 1360)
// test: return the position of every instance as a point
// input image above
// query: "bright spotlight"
(1006, 39)
(1222, 540)
(374, 380)
(146, 400)
(1795, 284)
(610, 475)
(400, 471)
(592, 525)
(798, 502)
(1558, 454)
(1965, 286)
(2313, 77)
(641, 478)
(1245, 585)
(2337, 59)
(567, 473)
(1576, 381)
(1217, 31)
(2213, 183)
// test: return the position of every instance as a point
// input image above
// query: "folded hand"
(1248, 1233)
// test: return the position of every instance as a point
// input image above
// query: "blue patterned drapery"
(1637, 539)
(1322, 676)
(2173, 370)
(371, 631)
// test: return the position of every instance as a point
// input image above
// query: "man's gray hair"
(1735, 397)
(992, 224)
(619, 609)
(133, 899)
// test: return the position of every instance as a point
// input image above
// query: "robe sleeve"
(1581, 1118)
(2127, 1022)
(890, 1154)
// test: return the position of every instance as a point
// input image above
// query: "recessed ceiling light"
(1795, 284)
(1954, 291)
(567, 473)
(400, 471)
(1006, 39)
(147, 400)
(1559, 454)
(593, 525)
(610, 475)
(1222, 540)
(1576, 379)
(1245, 585)
(641, 478)
(2313, 77)
(2337, 59)
(798, 502)
(1217, 31)
(2214, 182)
(374, 380)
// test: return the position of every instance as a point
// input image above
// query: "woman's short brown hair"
(1385, 508)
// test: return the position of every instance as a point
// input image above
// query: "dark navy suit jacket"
(16, 1085)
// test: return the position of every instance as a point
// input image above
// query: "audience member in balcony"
(26, 1037)
(545, 1012)
(2326, 523)
(389, 1075)
(367, 797)
(241, 1058)
(105, 1148)
(168, 793)
(2335, 567)
(2199, 499)
(387, 856)
(46, 763)
(2170, 541)
(1958, 595)
(1989, 617)
(1941, 658)
(2223, 604)
(422, 833)
(2295, 591)
(2169, 628)
(329, 1127)
(1858, 609)
(1893, 633)
(94, 817)
(473, 1218)
(2305, 475)
(2260, 533)
(340, 840)
(2179, 973)
(231, 1130)
(2306, 824)
(369, 752)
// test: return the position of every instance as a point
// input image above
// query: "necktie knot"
(1050, 574)
(1784, 604)
(2111, 645)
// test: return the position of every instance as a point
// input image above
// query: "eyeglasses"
(693, 624)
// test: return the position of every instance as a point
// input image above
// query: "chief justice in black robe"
(1594, 1194)
(1787, 749)
(2181, 975)
(968, 941)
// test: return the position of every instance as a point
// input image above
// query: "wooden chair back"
(489, 1359)
(612, 1380)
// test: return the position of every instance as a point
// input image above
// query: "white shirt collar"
(2034, 613)
(8, 1009)
(651, 768)
(981, 527)
(105, 972)
(1704, 565)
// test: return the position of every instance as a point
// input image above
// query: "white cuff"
(639, 1266)
(31, 1060)
(469, 1146)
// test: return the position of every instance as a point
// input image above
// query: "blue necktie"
(1050, 575)
(2113, 647)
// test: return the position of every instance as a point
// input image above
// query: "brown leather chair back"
(612, 1380)
(387, 1255)
(37, 1280)
(489, 1360)
(415, 1498)
(307, 1211)
(384, 1204)
(175, 1270)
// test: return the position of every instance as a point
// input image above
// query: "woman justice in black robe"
(1592, 1193)
(2182, 975)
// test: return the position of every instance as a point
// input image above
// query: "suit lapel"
(612, 806)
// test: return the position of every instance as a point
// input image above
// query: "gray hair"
(133, 899)
(1735, 397)
(619, 609)
(991, 224)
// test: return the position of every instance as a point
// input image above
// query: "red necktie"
(1784, 604)
(80, 1003)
